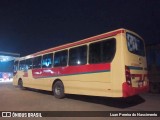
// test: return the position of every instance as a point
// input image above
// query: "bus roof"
(90, 39)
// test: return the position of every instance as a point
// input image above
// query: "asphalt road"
(14, 99)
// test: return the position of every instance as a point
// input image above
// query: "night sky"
(28, 26)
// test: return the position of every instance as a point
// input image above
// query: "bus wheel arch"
(58, 89)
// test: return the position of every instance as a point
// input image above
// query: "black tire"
(58, 90)
(20, 84)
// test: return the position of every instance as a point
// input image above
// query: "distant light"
(6, 58)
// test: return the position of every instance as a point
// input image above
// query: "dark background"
(28, 26)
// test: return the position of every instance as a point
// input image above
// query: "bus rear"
(135, 65)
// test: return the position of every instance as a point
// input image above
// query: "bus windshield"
(135, 44)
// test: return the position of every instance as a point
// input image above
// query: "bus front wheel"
(58, 90)
(20, 84)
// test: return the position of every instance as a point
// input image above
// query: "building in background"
(6, 66)
(153, 61)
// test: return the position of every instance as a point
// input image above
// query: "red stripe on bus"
(128, 90)
(25, 74)
(70, 70)
(105, 35)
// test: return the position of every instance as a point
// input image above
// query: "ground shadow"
(39, 91)
(108, 101)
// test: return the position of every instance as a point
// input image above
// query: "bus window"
(135, 44)
(15, 66)
(29, 63)
(78, 55)
(47, 60)
(60, 58)
(101, 52)
(37, 62)
(22, 65)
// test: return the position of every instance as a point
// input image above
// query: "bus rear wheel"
(58, 90)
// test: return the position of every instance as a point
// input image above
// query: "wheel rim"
(58, 90)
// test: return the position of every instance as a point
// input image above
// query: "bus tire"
(58, 90)
(20, 84)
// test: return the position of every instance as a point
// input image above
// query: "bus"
(112, 64)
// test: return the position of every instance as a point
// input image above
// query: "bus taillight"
(128, 75)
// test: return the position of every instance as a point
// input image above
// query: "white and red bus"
(112, 64)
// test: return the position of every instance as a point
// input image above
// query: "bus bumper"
(130, 91)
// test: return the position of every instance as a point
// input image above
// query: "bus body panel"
(118, 73)
(86, 83)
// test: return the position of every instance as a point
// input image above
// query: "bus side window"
(22, 65)
(103, 51)
(15, 66)
(29, 63)
(60, 58)
(37, 62)
(47, 60)
(78, 55)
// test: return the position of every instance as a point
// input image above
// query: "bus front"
(135, 66)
